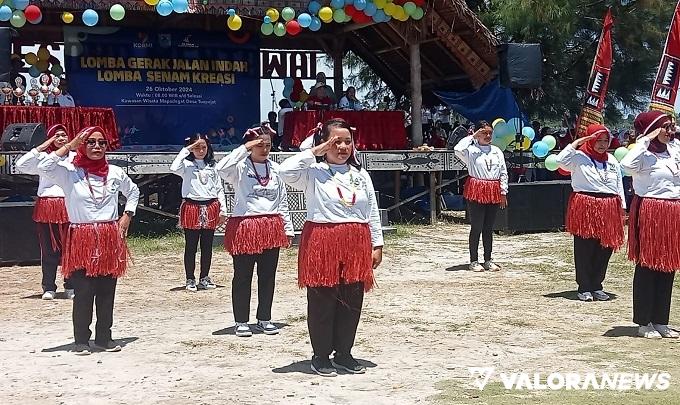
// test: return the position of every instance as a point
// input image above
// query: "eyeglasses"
(100, 142)
(670, 127)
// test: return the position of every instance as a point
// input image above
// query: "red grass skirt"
(482, 191)
(98, 248)
(50, 210)
(251, 235)
(653, 227)
(334, 254)
(600, 218)
(199, 216)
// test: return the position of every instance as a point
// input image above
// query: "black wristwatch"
(129, 213)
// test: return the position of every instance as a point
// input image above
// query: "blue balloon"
(515, 124)
(348, 2)
(540, 149)
(90, 17)
(387, 18)
(304, 20)
(231, 12)
(164, 8)
(370, 9)
(337, 4)
(360, 4)
(33, 71)
(180, 6)
(314, 7)
(267, 19)
(5, 13)
(529, 133)
(379, 16)
(316, 24)
(21, 4)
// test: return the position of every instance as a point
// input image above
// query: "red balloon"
(362, 18)
(350, 10)
(32, 13)
(418, 3)
(293, 27)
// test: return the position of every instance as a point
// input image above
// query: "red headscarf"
(97, 167)
(646, 122)
(52, 132)
(589, 147)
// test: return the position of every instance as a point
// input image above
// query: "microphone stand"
(273, 94)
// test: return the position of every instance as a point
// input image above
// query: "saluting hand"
(43, 146)
(255, 142)
(323, 148)
(654, 133)
(580, 141)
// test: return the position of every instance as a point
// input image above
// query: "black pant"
(100, 291)
(652, 295)
(49, 256)
(267, 262)
(482, 217)
(191, 238)
(333, 316)
(591, 260)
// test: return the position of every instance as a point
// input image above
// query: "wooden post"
(416, 95)
(433, 198)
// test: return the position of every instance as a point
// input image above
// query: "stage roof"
(457, 51)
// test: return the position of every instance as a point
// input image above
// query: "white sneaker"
(475, 266)
(267, 327)
(665, 331)
(491, 266)
(69, 294)
(600, 295)
(49, 295)
(648, 332)
(586, 296)
(191, 284)
(242, 329)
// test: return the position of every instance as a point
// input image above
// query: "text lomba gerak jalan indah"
(164, 70)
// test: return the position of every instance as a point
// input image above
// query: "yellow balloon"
(326, 14)
(525, 145)
(151, 2)
(43, 53)
(273, 14)
(631, 146)
(234, 23)
(390, 9)
(497, 121)
(42, 65)
(31, 58)
(67, 17)
(380, 3)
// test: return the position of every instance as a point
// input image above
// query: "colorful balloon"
(418, 14)
(551, 163)
(180, 6)
(66, 17)
(267, 28)
(31, 58)
(305, 20)
(5, 13)
(496, 122)
(234, 23)
(293, 27)
(360, 4)
(18, 19)
(164, 8)
(288, 13)
(151, 2)
(117, 12)
(410, 8)
(370, 9)
(279, 29)
(325, 14)
(273, 14)
(32, 13)
(529, 133)
(21, 4)
(337, 4)
(540, 149)
(314, 7)
(339, 15)
(315, 25)
(620, 153)
(43, 53)
(550, 141)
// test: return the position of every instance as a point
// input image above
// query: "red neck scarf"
(52, 132)
(589, 147)
(98, 167)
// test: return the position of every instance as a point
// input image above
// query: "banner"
(593, 103)
(166, 85)
(665, 88)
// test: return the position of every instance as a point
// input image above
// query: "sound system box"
(538, 206)
(19, 243)
(520, 65)
(23, 136)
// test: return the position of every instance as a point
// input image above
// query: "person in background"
(272, 118)
(426, 120)
(445, 119)
(349, 101)
(321, 95)
(285, 108)
(384, 105)
(65, 99)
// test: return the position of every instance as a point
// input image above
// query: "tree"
(568, 31)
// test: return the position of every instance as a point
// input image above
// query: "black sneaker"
(110, 346)
(82, 349)
(323, 367)
(348, 363)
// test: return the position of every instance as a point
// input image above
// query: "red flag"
(666, 84)
(593, 104)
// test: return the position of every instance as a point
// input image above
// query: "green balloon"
(267, 28)
(550, 141)
(620, 153)
(117, 12)
(339, 15)
(348, 18)
(288, 13)
(551, 163)
(279, 29)
(410, 8)
(418, 14)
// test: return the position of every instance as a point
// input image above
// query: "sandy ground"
(425, 324)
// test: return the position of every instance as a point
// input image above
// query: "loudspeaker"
(18, 237)
(534, 207)
(5, 54)
(24, 136)
(520, 65)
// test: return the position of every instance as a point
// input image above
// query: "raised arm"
(28, 163)
(230, 167)
(565, 159)
(50, 167)
(177, 166)
(462, 148)
(633, 161)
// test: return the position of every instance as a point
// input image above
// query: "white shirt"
(320, 182)
(654, 175)
(426, 116)
(590, 176)
(251, 197)
(282, 120)
(90, 198)
(483, 162)
(64, 100)
(199, 181)
(346, 104)
(28, 164)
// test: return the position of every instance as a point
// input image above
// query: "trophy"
(19, 91)
(7, 92)
(45, 81)
(56, 92)
(33, 92)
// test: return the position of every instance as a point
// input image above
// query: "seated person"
(321, 95)
(349, 101)
(385, 104)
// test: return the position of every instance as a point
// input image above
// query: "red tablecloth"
(376, 130)
(73, 118)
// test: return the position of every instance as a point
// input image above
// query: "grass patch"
(173, 242)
